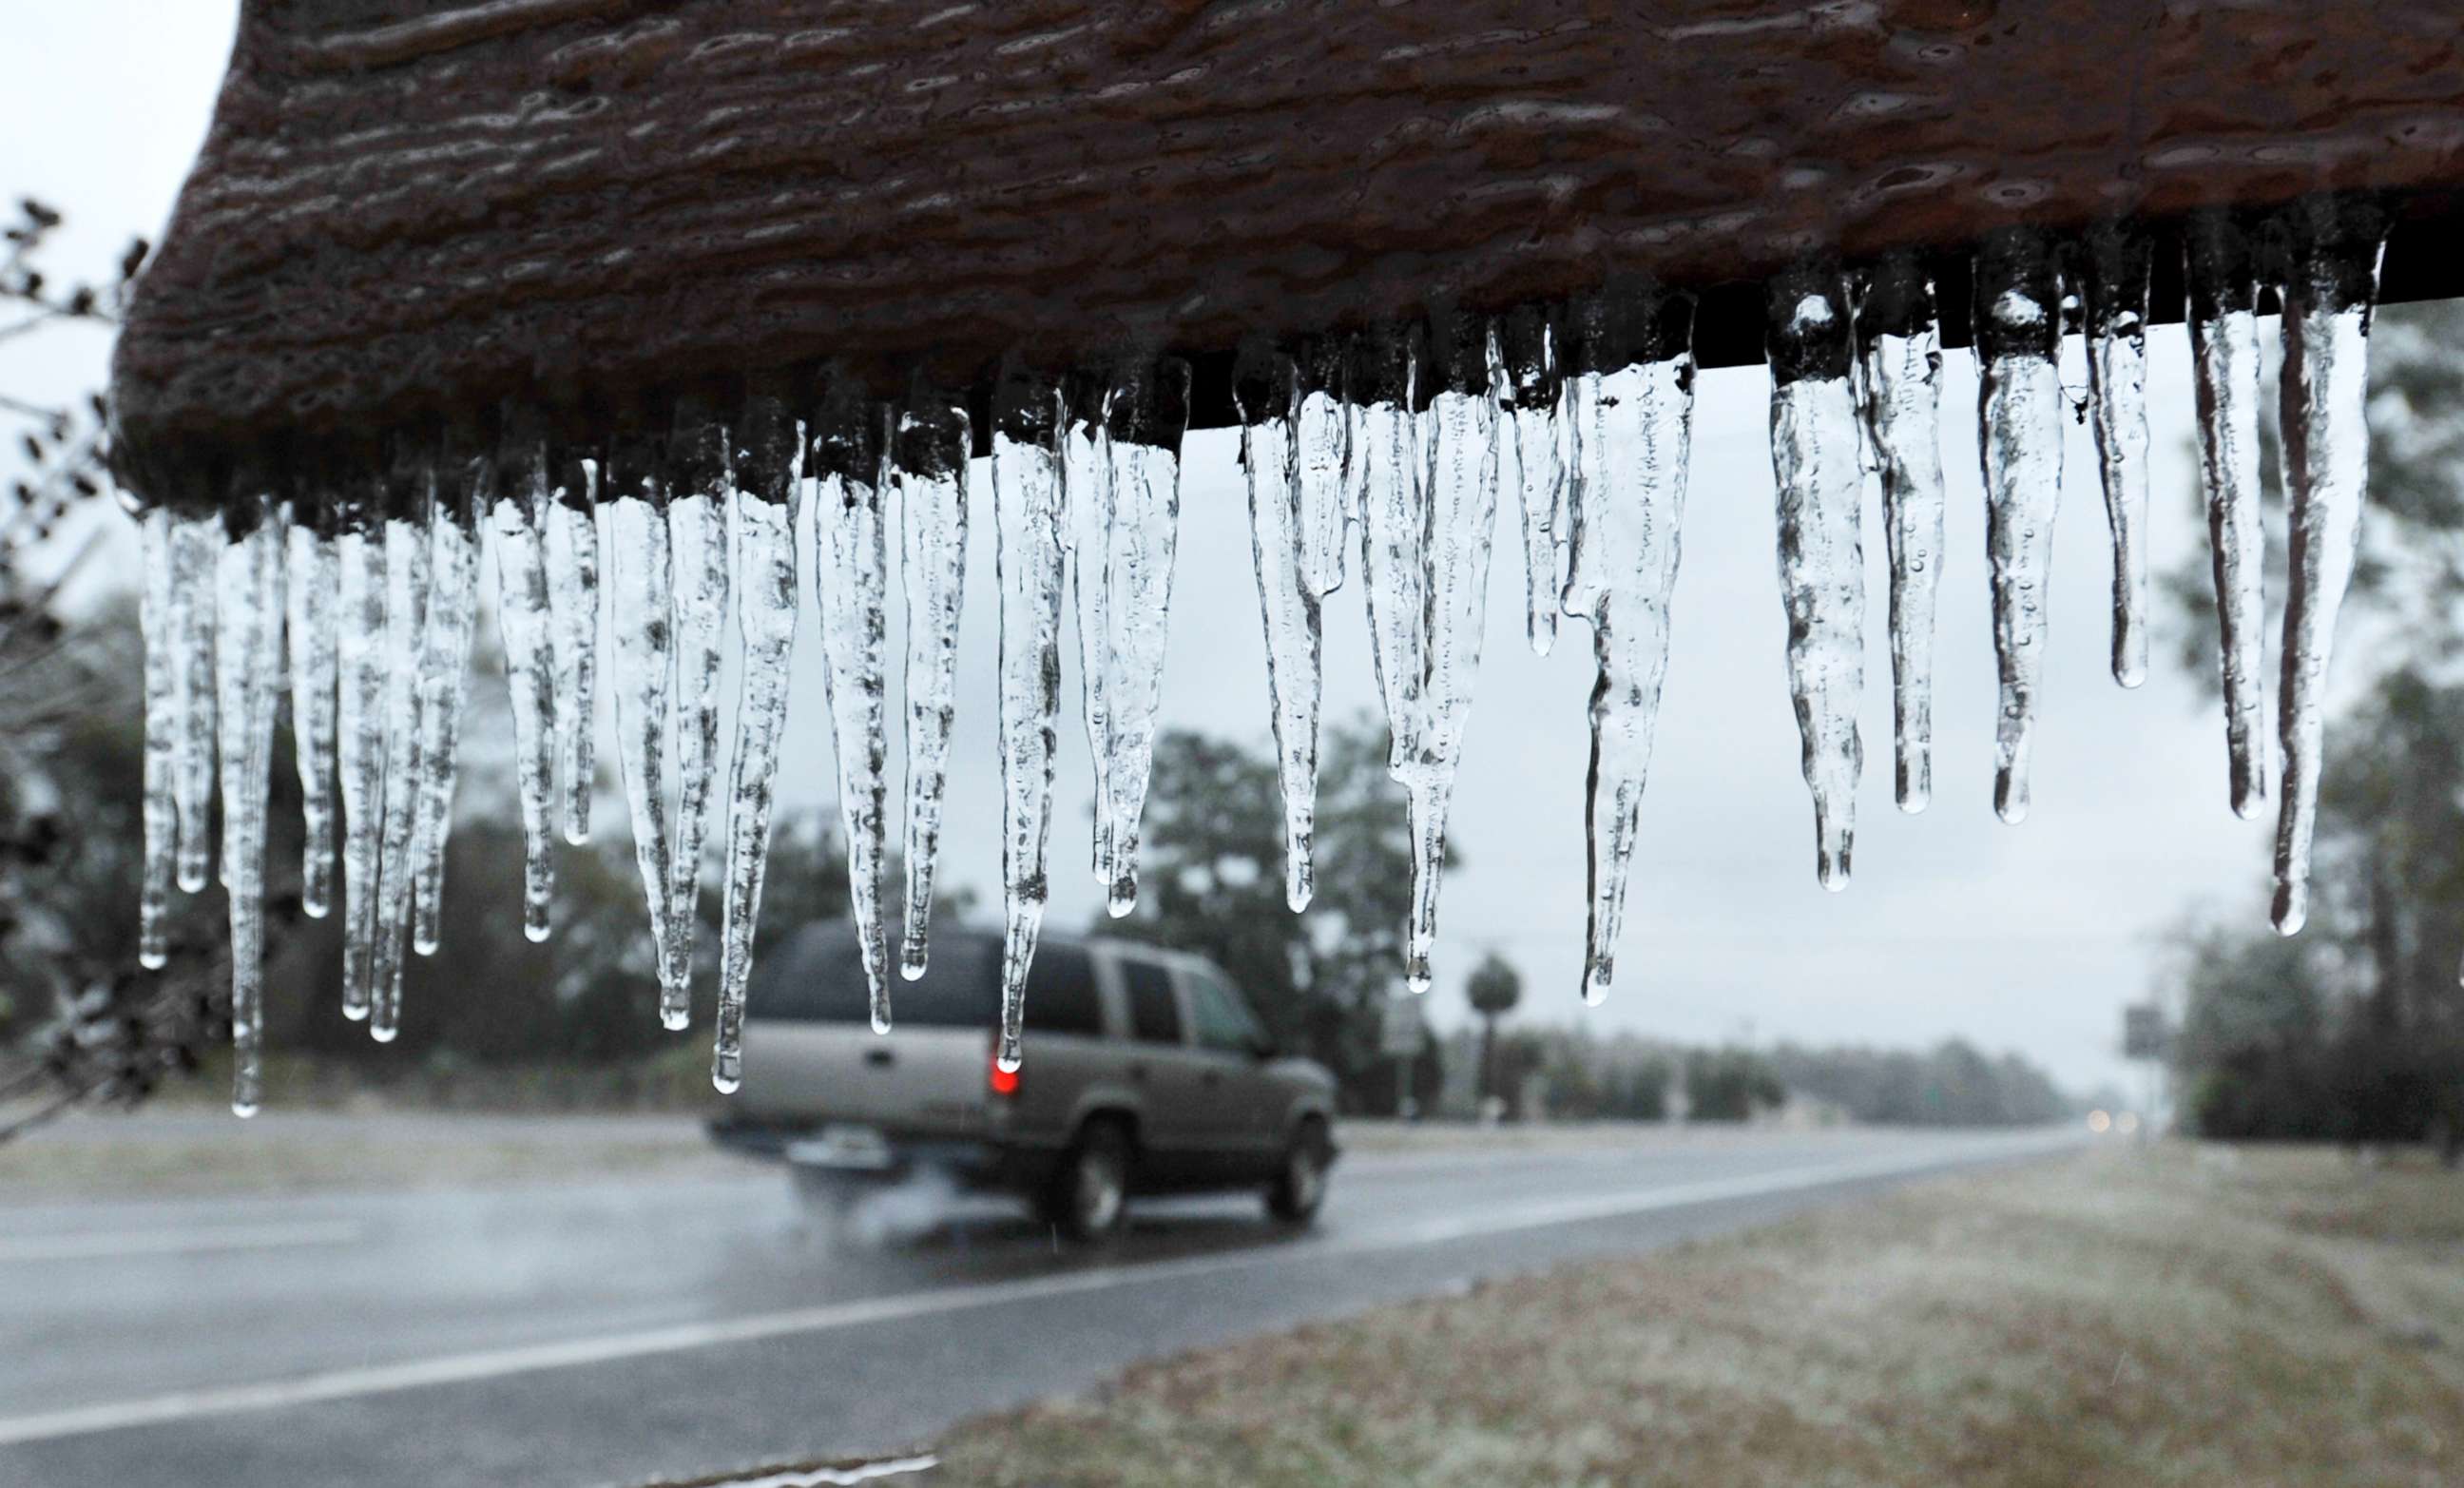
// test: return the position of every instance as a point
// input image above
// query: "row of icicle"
(1409, 437)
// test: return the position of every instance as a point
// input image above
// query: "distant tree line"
(1952, 1085)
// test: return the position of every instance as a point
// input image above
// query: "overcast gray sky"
(2028, 937)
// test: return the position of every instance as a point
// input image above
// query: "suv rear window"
(818, 977)
(1061, 993)
(1155, 1013)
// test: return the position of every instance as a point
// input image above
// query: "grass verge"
(2175, 1315)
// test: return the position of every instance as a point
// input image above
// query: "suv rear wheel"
(1300, 1186)
(1091, 1194)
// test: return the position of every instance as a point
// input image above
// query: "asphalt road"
(615, 1332)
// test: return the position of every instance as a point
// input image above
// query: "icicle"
(1900, 356)
(1268, 387)
(1530, 460)
(408, 569)
(1428, 508)
(1818, 472)
(196, 547)
(851, 563)
(573, 604)
(2119, 256)
(2019, 410)
(2222, 280)
(1085, 515)
(1027, 562)
(361, 746)
(769, 473)
(248, 629)
(699, 559)
(1320, 452)
(162, 620)
(314, 584)
(444, 681)
(645, 633)
(929, 469)
(1145, 415)
(523, 621)
(1631, 403)
(2330, 289)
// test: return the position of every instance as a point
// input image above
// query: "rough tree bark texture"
(414, 208)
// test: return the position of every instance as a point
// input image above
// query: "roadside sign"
(1404, 1035)
(2142, 1031)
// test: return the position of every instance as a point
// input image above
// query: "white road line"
(497, 1363)
(114, 1244)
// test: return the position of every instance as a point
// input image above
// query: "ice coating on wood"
(196, 547)
(409, 546)
(1321, 458)
(1268, 389)
(1530, 459)
(443, 682)
(850, 584)
(524, 622)
(1899, 351)
(645, 634)
(314, 572)
(2019, 439)
(769, 476)
(572, 605)
(2117, 258)
(929, 473)
(1027, 569)
(1630, 399)
(248, 629)
(2223, 278)
(360, 747)
(1428, 506)
(160, 619)
(2330, 289)
(1145, 413)
(1818, 470)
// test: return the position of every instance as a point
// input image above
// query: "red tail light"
(1000, 1081)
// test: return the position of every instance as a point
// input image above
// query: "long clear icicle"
(248, 629)
(1428, 508)
(1145, 416)
(1631, 403)
(1899, 357)
(851, 583)
(161, 620)
(2020, 413)
(1818, 472)
(645, 636)
(769, 475)
(443, 682)
(314, 580)
(2330, 289)
(929, 471)
(572, 605)
(409, 549)
(2119, 257)
(2223, 278)
(1086, 510)
(196, 549)
(1530, 460)
(1027, 570)
(699, 565)
(524, 619)
(1268, 388)
(360, 747)
(1321, 456)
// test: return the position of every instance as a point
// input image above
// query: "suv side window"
(1061, 993)
(1223, 1021)
(1155, 1015)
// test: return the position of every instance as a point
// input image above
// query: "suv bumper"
(974, 1163)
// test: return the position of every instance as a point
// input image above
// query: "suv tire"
(1299, 1187)
(1089, 1197)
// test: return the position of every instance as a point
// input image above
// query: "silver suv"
(1144, 1072)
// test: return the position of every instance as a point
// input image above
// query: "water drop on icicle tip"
(850, 581)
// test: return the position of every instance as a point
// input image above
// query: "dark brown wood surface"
(410, 209)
